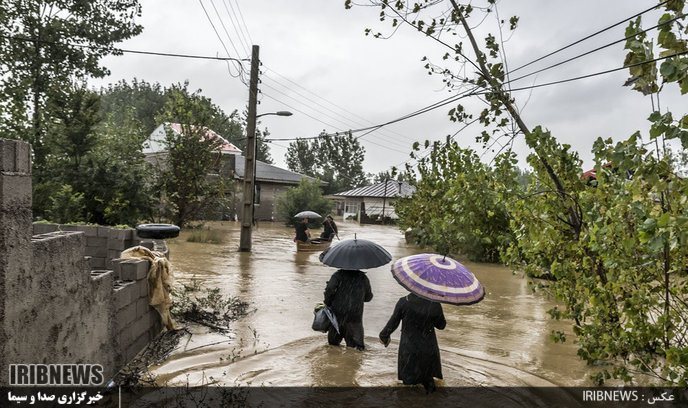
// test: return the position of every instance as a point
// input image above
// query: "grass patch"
(206, 236)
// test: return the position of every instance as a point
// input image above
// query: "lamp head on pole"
(278, 113)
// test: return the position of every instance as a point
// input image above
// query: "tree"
(186, 187)
(616, 250)
(46, 45)
(307, 196)
(100, 163)
(301, 158)
(460, 203)
(143, 100)
(337, 160)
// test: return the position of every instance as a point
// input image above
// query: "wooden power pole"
(250, 158)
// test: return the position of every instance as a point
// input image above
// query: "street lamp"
(247, 220)
(278, 113)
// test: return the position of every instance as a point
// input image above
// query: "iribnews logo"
(56, 374)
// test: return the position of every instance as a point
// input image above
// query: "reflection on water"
(504, 340)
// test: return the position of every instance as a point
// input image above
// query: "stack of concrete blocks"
(63, 299)
(136, 323)
(103, 244)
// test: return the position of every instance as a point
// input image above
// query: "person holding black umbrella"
(345, 293)
(302, 232)
(349, 288)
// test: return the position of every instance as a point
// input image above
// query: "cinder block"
(103, 231)
(133, 269)
(117, 244)
(142, 308)
(94, 240)
(116, 268)
(127, 269)
(96, 263)
(123, 295)
(113, 254)
(127, 314)
(140, 327)
(131, 243)
(121, 234)
(22, 157)
(42, 228)
(142, 268)
(7, 155)
(66, 227)
(125, 337)
(89, 230)
(143, 288)
(148, 244)
(96, 251)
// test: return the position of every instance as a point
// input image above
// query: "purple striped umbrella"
(438, 278)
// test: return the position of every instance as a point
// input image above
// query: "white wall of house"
(375, 206)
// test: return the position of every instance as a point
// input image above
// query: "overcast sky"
(318, 63)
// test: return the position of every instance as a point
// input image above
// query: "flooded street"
(501, 341)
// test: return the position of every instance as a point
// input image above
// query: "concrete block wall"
(64, 296)
(135, 322)
(15, 236)
(102, 243)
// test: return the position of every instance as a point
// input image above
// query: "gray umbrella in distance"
(308, 214)
(355, 254)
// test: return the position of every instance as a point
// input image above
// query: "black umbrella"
(308, 214)
(355, 254)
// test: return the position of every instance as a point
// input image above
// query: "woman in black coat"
(345, 293)
(419, 354)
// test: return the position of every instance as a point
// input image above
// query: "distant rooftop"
(268, 173)
(394, 189)
(156, 141)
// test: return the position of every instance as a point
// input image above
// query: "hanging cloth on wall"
(160, 281)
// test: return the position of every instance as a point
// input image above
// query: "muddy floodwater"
(501, 341)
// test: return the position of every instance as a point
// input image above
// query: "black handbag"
(321, 322)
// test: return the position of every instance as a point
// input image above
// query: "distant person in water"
(302, 232)
(330, 229)
(419, 355)
(345, 293)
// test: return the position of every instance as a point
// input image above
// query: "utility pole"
(250, 158)
(384, 200)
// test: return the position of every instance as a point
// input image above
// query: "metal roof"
(394, 189)
(268, 173)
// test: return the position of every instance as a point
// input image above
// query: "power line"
(597, 73)
(242, 20)
(124, 50)
(589, 36)
(594, 50)
(472, 93)
(210, 20)
(389, 131)
(242, 39)
(229, 37)
(313, 102)
(420, 111)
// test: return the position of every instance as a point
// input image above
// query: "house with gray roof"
(271, 181)
(370, 203)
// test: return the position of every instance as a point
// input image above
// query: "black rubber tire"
(157, 231)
